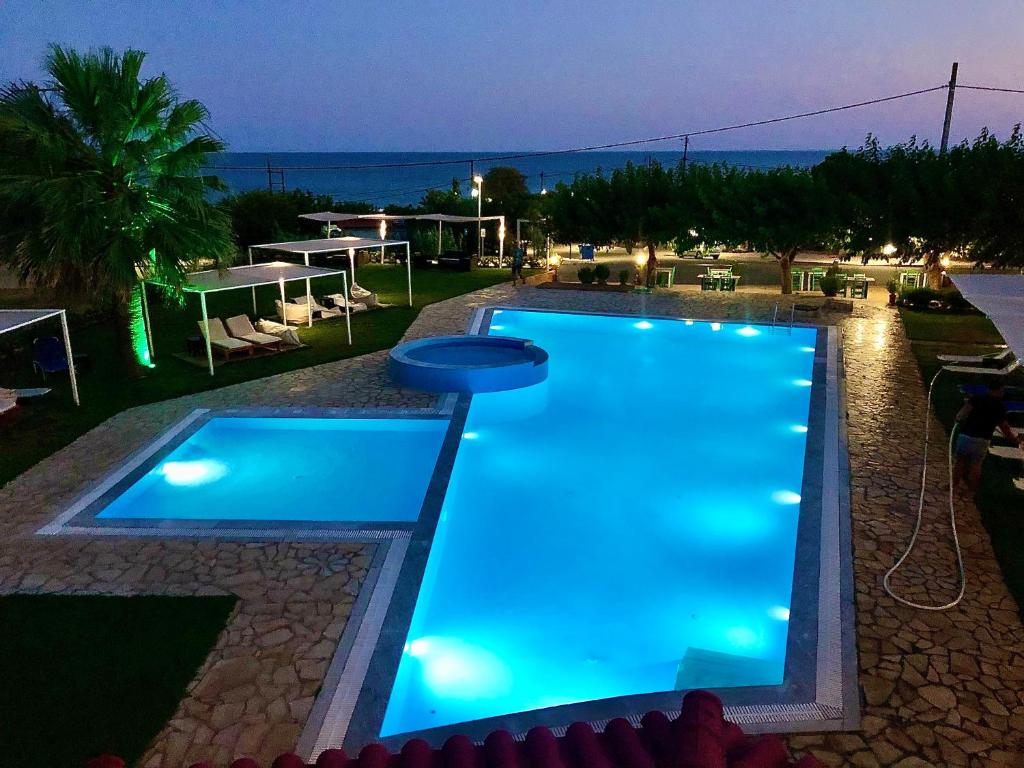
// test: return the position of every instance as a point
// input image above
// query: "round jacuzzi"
(468, 364)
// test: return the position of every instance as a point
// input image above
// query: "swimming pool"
(283, 469)
(630, 529)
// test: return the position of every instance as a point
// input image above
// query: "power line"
(991, 88)
(593, 147)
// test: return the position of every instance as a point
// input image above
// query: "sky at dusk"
(425, 75)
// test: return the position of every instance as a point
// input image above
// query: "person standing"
(518, 256)
(978, 420)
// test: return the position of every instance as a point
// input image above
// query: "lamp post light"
(478, 193)
(383, 236)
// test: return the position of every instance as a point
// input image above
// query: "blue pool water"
(627, 526)
(291, 469)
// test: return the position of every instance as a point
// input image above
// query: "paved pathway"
(940, 689)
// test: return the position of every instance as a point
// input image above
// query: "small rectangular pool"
(290, 469)
(626, 527)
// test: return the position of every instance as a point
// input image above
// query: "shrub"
(919, 298)
(954, 300)
(893, 285)
(625, 276)
(602, 273)
(585, 275)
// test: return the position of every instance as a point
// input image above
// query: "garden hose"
(920, 512)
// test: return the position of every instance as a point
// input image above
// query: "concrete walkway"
(944, 689)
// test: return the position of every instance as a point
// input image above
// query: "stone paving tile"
(939, 688)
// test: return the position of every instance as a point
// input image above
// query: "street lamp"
(478, 193)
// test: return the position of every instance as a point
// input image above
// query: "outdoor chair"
(859, 288)
(994, 357)
(727, 283)
(48, 355)
(240, 327)
(337, 301)
(707, 282)
(221, 341)
(815, 280)
(796, 278)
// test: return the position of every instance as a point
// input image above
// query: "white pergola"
(329, 217)
(254, 276)
(338, 245)
(13, 319)
(447, 218)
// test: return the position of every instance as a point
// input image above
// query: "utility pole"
(949, 109)
(270, 182)
(686, 148)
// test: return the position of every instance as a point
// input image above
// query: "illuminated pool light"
(457, 669)
(689, 322)
(798, 428)
(748, 331)
(643, 325)
(806, 349)
(802, 382)
(716, 326)
(470, 435)
(497, 327)
(779, 612)
(786, 497)
(199, 472)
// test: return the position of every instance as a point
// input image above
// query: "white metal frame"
(281, 280)
(341, 248)
(64, 332)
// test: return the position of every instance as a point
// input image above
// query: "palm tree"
(101, 184)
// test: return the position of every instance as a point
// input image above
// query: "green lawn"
(954, 328)
(44, 425)
(85, 675)
(999, 502)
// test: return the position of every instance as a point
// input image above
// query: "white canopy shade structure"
(330, 217)
(1001, 297)
(253, 276)
(447, 218)
(338, 245)
(13, 319)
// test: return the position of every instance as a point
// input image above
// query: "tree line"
(898, 201)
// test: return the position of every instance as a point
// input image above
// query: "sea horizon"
(383, 178)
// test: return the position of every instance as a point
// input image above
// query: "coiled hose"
(920, 513)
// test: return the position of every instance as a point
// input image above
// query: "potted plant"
(602, 273)
(893, 287)
(830, 283)
(625, 276)
(585, 275)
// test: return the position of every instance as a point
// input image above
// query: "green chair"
(816, 275)
(911, 279)
(707, 283)
(859, 287)
(728, 283)
(797, 279)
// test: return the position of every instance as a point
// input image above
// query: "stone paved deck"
(940, 689)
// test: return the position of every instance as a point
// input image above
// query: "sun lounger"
(1006, 452)
(994, 357)
(980, 370)
(338, 299)
(222, 342)
(982, 389)
(240, 327)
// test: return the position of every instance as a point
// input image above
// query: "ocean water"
(628, 526)
(349, 178)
